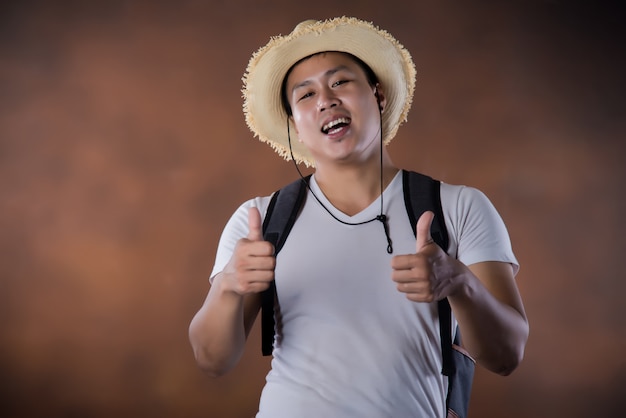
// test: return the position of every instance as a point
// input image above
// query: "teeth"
(334, 123)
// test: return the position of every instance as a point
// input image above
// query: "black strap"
(421, 194)
(279, 219)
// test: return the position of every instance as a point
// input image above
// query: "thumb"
(422, 230)
(254, 225)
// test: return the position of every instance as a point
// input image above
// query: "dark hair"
(369, 73)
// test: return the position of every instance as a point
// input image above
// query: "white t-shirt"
(348, 344)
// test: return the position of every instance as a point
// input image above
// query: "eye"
(339, 82)
(306, 95)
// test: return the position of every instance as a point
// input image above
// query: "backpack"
(421, 193)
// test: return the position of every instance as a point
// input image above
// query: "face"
(334, 109)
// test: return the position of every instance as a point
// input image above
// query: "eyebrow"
(326, 74)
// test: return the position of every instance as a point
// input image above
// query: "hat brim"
(390, 61)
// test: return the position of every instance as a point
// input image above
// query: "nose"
(326, 99)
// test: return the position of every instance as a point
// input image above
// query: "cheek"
(301, 122)
(299, 116)
(296, 118)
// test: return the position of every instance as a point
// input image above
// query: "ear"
(380, 96)
(292, 123)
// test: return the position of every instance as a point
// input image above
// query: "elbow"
(210, 369)
(208, 364)
(207, 356)
(503, 362)
(510, 363)
(504, 355)
(214, 361)
(511, 355)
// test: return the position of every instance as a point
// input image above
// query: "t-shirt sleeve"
(477, 230)
(235, 229)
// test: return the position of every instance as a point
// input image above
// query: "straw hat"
(262, 82)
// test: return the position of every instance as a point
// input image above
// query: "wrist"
(223, 287)
(465, 283)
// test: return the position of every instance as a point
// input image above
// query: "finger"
(417, 292)
(403, 276)
(420, 297)
(257, 276)
(254, 225)
(245, 287)
(422, 230)
(404, 262)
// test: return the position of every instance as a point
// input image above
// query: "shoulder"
(240, 216)
(235, 229)
(464, 199)
(478, 231)
(261, 202)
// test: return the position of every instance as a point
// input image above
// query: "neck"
(352, 188)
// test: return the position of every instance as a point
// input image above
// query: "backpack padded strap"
(279, 219)
(421, 194)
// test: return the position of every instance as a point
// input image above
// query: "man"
(357, 329)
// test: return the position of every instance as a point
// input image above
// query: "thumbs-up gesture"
(251, 267)
(428, 275)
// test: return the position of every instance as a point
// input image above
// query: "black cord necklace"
(381, 217)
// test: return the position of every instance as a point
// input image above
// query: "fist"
(251, 267)
(427, 275)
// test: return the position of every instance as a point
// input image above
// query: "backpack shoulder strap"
(421, 194)
(281, 214)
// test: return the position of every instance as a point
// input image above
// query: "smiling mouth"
(335, 125)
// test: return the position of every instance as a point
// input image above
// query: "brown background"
(123, 151)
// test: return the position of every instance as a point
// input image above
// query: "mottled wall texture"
(123, 151)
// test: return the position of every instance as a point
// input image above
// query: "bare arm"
(483, 296)
(219, 330)
(491, 315)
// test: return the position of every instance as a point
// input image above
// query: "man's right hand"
(251, 268)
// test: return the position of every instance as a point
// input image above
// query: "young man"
(357, 329)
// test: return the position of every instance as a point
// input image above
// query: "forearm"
(494, 330)
(217, 332)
